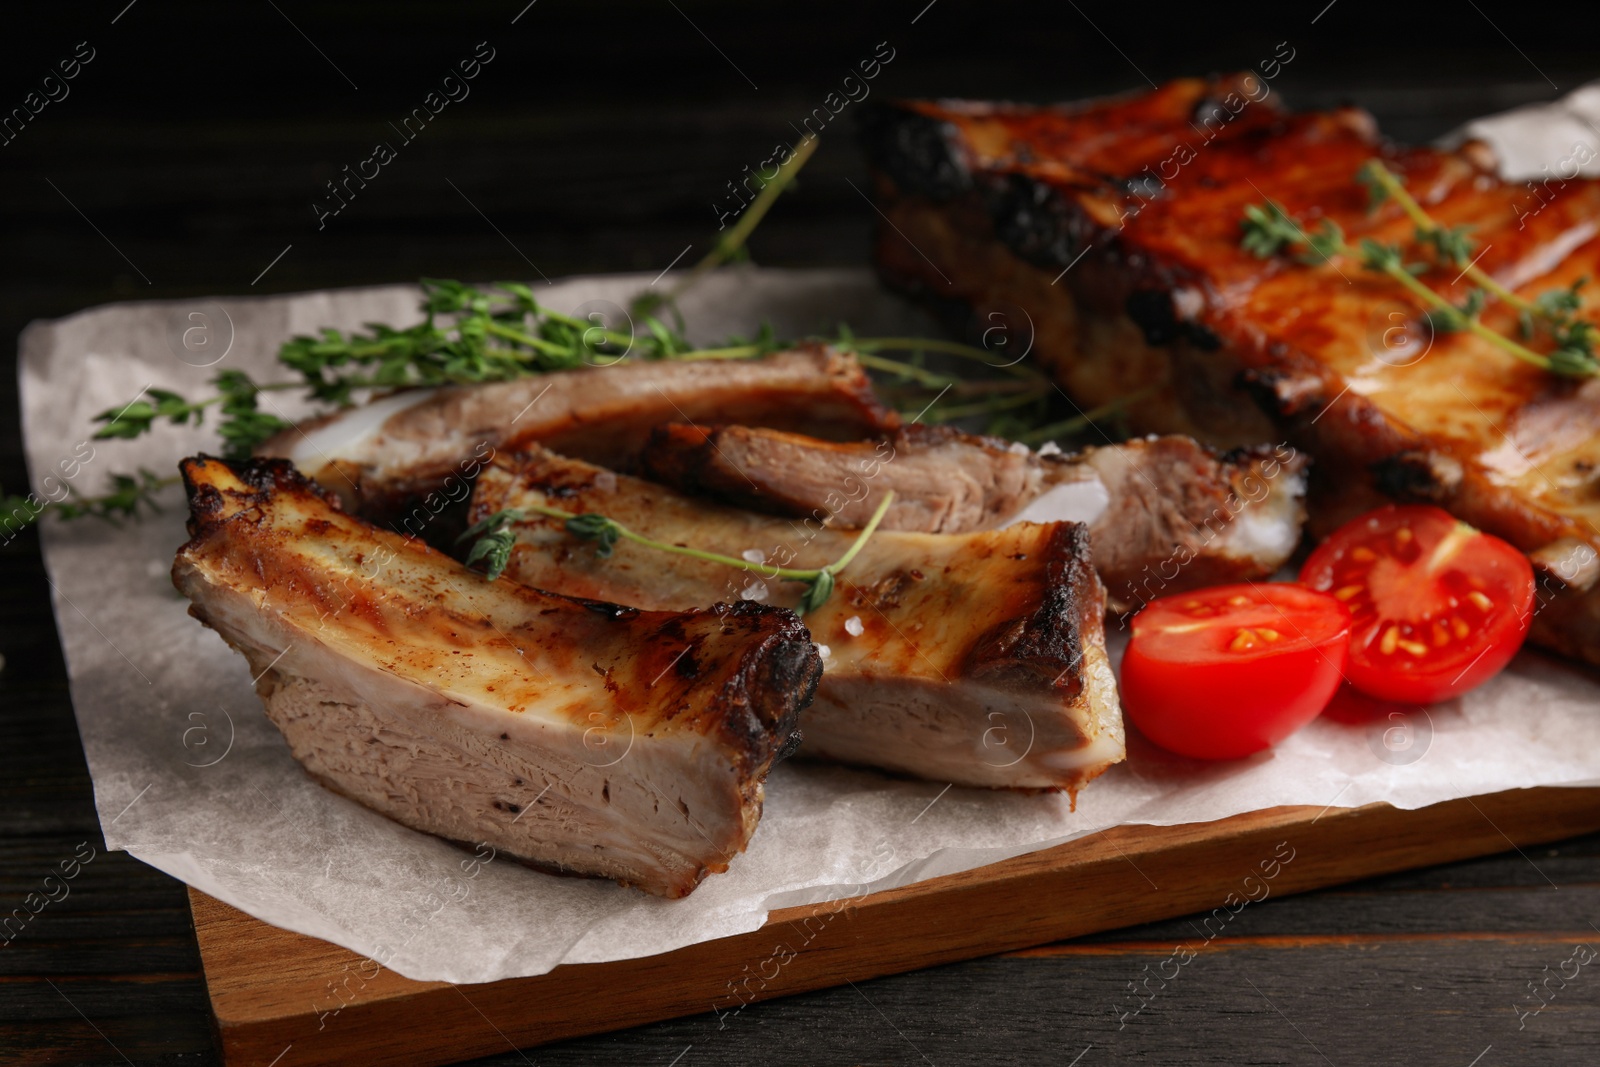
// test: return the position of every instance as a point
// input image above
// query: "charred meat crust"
(207, 507)
(1044, 649)
(775, 681)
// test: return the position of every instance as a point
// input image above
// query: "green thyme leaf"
(1454, 245)
(818, 590)
(1573, 363)
(493, 539)
(1268, 230)
(1371, 178)
(17, 512)
(495, 548)
(1381, 257)
(1559, 304)
(1324, 244)
(602, 531)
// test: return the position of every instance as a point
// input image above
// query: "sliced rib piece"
(383, 456)
(578, 736)
(1165, 514)
(1115, 225)
(977, 659)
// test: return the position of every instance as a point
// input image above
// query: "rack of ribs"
(1115, 226)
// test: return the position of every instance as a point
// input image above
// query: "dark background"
(186, 158)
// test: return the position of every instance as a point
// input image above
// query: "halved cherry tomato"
(1436, 606)
(1221, 673)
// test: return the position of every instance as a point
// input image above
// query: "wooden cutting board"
(290, 1001)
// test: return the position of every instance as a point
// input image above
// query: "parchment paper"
(190, 777)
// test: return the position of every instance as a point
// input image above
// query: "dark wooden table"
(186, 158)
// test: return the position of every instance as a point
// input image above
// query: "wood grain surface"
(186, 159)
(280, 994)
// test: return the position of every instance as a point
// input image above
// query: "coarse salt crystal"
(753, 555)
(1049, 448)
(755, 591)
(853, 627)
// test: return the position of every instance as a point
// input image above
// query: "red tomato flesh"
(1436, 606)
(1221, 673)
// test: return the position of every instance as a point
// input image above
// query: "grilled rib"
(578, 736)
(1115, 225)
(977, 659)
(385, 456)
(1165, 514)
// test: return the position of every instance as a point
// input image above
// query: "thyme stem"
(786, 573)
(730, 243)
(1426, 225)
(1478, 329)
(1080, 422)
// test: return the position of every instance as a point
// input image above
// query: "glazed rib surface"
(1149, 191)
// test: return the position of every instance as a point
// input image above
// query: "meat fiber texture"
(191, 777)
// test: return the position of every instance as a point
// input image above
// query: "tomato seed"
(1416, 648)
(1363, 554)
(1483, 602)
(1348, 592)
(1391, 639)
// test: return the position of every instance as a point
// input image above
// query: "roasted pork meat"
(1165, 514)
(975, 658)
(1115, 225)
(578, 736)
(385, 457)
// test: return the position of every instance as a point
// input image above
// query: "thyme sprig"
(1268, 230)
(1451, 244)
(495, 334)
(243, 426)
(731, 244)
(494, 538)
(1115, 410)
(129, 495)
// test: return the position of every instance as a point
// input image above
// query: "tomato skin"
(1438, 607)
(1188, 694)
